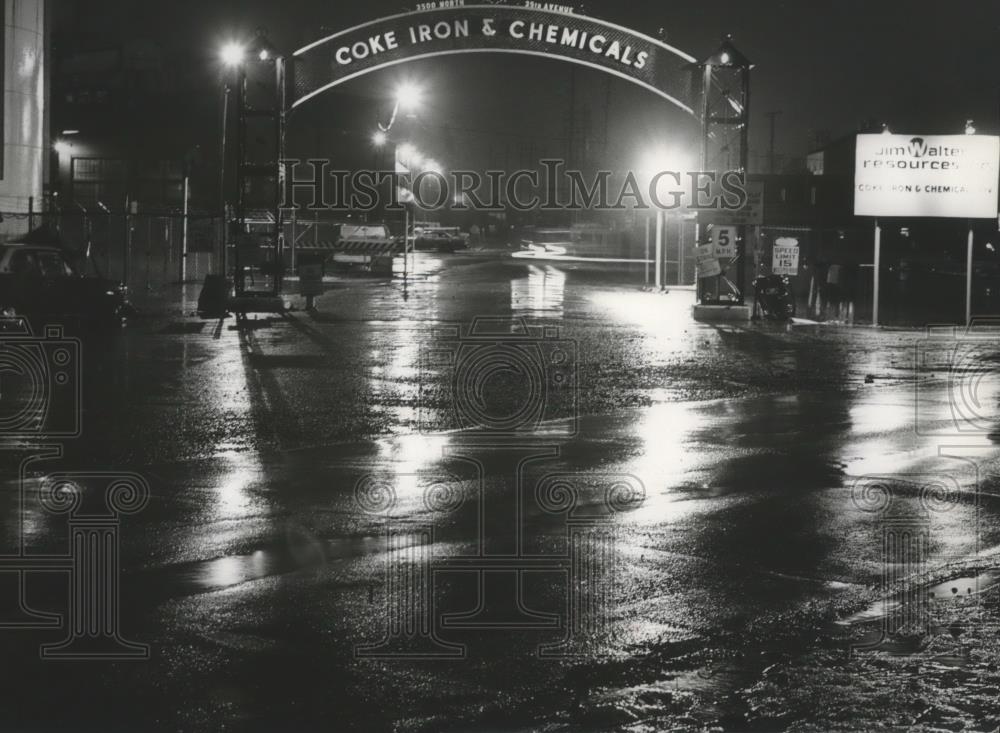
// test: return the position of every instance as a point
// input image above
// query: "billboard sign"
(948, 176)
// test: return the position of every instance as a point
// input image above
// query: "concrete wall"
(25, 92)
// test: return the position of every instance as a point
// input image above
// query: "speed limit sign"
(724, 239)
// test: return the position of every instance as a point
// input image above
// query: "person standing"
(834, 290)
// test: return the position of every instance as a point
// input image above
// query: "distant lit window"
(86, 169)
(99, 169)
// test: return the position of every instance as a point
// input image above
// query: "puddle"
(700, 695)
(969, 585)
(938, 593)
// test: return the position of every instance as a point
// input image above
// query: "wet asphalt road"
(658, 505)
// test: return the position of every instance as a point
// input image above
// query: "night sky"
(921, 67)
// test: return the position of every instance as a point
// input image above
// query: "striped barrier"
(369, 247)
(374, 254)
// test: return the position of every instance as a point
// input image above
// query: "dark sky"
(922, 67)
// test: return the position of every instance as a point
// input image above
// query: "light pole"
(659, 165)
(232, 56)
(379, 140)
(408, 98)
(235, 55)
(406, 157)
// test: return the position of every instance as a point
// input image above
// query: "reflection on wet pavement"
(750, 453)
(540, 294)
(299, 553)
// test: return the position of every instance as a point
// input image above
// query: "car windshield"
(40, 262)
(53, 264)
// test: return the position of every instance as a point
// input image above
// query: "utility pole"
(184, 230)
(223, 205)
(773, 115)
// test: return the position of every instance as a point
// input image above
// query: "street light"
(658, 166)
(970, 129)
(657, 159)
(408, 97)
(662, 159)
(262, 47)
(233, 54)
(379, 138)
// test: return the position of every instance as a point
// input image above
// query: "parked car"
(39, 280)
(440, 239)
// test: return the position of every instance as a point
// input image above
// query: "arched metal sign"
(449, 27)
(452, 28)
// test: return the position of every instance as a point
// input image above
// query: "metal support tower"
(725, 117)
(257, 227)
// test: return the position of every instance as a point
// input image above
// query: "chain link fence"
(143, 250)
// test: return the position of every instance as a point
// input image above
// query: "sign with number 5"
(724, 239)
